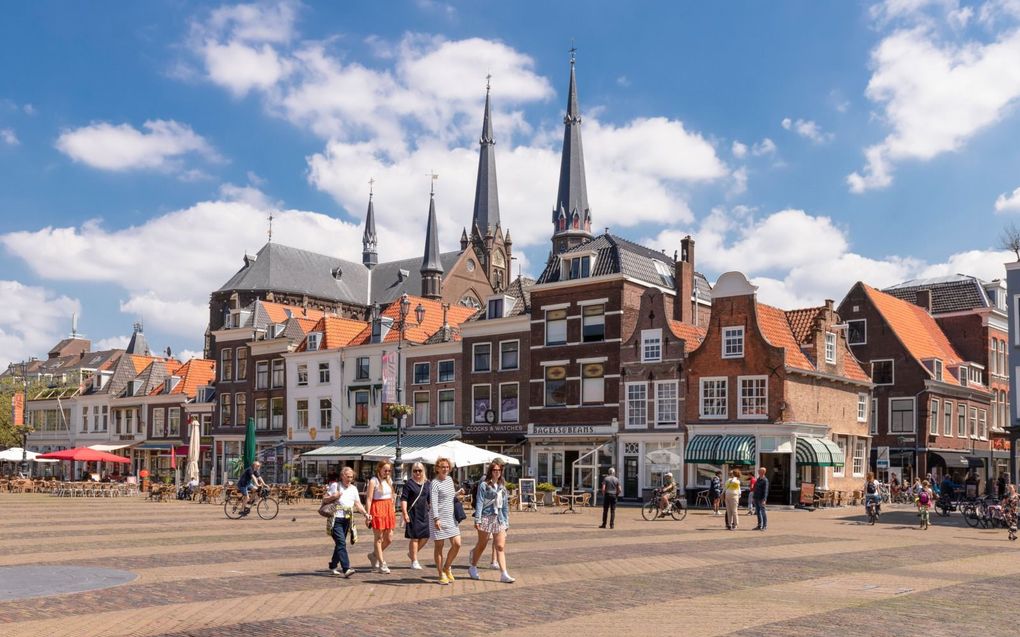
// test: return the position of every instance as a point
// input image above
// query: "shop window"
(555, 386)
(508, 403)
(481, 402)
(838, 472)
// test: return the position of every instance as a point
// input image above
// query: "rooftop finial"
(270, 232)
(488, 81)
(371, 187)
(573, 50)
(433, 175)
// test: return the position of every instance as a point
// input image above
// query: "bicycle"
(266, 506)
(651, 511)
(873, 511)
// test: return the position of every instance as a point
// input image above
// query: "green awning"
(736, 450)
(702, 449)
(819, 452)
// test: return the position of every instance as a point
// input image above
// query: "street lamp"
(419, 314)
(24, 407)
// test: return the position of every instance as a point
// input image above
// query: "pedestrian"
(444, 526)
(345, 496)
(761, 494)
(715, 491)
(610, 493)
(750, 494)
(1010, 506)
(1001, 485)
(492, 519)
(732, 499)
(414, 506)
(384, 519)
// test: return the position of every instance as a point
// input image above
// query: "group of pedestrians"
(428, 509)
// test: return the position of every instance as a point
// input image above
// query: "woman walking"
(384, 519)
(345, 496)
(443, 527)
(492, 518)
(1010, 505)
(414, 505)
(714, 491)
(732, 500)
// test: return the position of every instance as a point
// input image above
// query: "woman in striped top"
(444, 527)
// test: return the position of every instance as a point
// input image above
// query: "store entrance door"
(630, 478)
(778, 466)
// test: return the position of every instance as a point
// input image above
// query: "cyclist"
(871, 493)
(666, 493)
(250, 479)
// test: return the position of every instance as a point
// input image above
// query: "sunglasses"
(416, 470)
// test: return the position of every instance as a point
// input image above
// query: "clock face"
(498, 259)
(471, 265)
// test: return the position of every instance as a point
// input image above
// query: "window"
(276, 412)
(241, 409)
(733, 342)
(481, 355)
(261, 413)
(666, 395)
(982, 424)
(173, 416)
(579, 268)
(857, 332)
(862, 409)
(993, 367)
(481, 402)
(1002, 359)
(262, 375)
(242, 363)
(947, 419)
(226, 411)
(508, 403)
(995, 410)
(936, 368)
(963, 376)
(446, 371)
(973, 422)
(159, 423)
(323, 372)
(421, 408)
(508, 355)
(837, 472)
(874, 418)
(325, 413)
(227, 365)
(961, 420)
(637, 404)
(302, 375)
(901, 415)
(313, 341)
(495, 309)
(555, 386)
(753, 397)
(361, 408)
(830, 347)
(555, 327)
(302, 415)
(713, 397)
(651, 345)
(84, 419)
(593, 384)
(882, 372)
(447, 406)
(859, 448)
(361, 368)
(278, 372)
(933, 424)
(593, 323)
(422, 371)
(665, 274)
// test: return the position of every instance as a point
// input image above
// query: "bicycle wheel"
(268, 508)
(679, 511)
(970, 516)
(650, 511)
(232, 508)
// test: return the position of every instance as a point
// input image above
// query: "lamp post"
(24, 407)
(419, 313)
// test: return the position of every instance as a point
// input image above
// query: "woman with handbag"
(492, 518)
(442, 496)
(384, 519)
(344, 498)
(414, 505)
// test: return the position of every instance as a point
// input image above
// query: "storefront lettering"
(571, 430)
(482, 429)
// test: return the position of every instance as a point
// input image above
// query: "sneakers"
(345, 574)
(494, 566)
(506, 579)
(444, 580)
(416, 566)
(449, 575)
(349, 572)
(336, 572)
(473, 572)
(384, 569)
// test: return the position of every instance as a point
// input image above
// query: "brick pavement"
(811, 574)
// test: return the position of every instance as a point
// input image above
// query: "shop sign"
(493, 429)
(881, 457)
(571, 430)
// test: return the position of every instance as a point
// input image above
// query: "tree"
(1010, 239)
(10, 436)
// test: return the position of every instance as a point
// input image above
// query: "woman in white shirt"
(384, 518)
(345, 495)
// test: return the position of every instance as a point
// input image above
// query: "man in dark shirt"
(250, 479)
(610, 493)
(761, 494)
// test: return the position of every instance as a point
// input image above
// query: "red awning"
(83, 454)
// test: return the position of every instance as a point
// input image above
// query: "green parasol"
(249, 444)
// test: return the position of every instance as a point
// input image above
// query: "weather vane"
(573, 50)
(371, 185)
(434, 176)
(270, 227)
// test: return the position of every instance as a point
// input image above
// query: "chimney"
(923, 300)
(683, 308)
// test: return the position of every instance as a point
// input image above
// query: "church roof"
(485, 215)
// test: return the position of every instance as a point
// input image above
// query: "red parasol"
(83, 454)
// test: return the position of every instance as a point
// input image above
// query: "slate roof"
(485, 213)
(386, 280)
(520, 290)
(955, 293)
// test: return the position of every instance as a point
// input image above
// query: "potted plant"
(544, 487)
(396, 411)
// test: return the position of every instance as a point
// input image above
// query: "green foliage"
(10, 436)
(546, 487)
(236, 467)
(510, 486)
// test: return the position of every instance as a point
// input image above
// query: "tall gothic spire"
(369, 240)
(571, 216)
(485, 216)
(431, 266)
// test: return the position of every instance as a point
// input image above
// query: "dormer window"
(276, 329)
(380, 328)
(936, 369)
(663, 270)
(830, 347)
(498, 307)
(314, 338)
(579, 267)
(963, 375)
(171, 383)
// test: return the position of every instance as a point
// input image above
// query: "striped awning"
(819, 452)
(702, 448)
(736, 450)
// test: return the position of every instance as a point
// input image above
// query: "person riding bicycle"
(949, 487)
(666, 493)
(872, 493)
(250, 479)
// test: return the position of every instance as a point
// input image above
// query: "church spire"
(369, 240)
(485, 216)
(431, 266)
(571, 216)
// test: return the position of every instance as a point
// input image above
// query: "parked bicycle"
(677, 508)
(266, 506)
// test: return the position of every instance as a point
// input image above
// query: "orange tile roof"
(776, 329)
(336, 331)
(851, 367)
(277, 312)
(802, 322)
(306, 324)
(194, 374)
(456, 315)
(692, 334)
(916, 329)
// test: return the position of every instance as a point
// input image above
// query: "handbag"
(327, 510)
(459, 514)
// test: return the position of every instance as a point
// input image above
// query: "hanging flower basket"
(397, 411)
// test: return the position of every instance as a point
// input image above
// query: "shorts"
(383, 515)
(246, 488)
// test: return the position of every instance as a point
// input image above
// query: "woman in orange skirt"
(384, 519)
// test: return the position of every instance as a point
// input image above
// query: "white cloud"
(807, 128)
(241, 68)
(111, 342)
(738, 149)
(186, 355)
(623, 81)
(739, 181)
(32, 320)
(258, 22)
(765, 147)
(121, 147)
(175, 316)
(8, 137)
(1008, 203)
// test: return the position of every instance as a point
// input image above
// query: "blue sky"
(808, 144)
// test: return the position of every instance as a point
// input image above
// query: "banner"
(18, 409)
(389, 377)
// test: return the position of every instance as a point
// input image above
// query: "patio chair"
(586, 499)
(702, 499)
